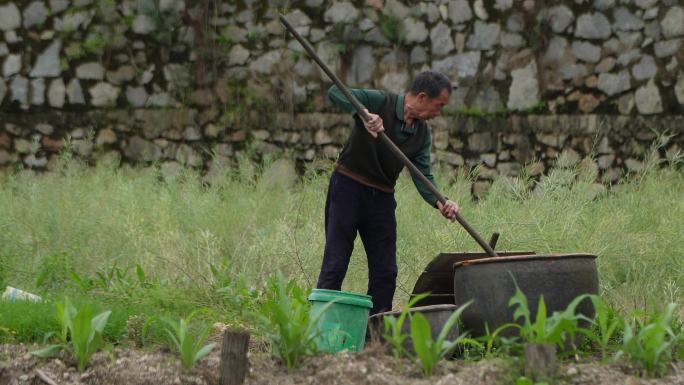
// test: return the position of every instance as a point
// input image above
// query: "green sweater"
(373, 100)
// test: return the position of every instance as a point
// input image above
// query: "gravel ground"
(124, 366)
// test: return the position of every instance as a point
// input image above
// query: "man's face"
(428, 108)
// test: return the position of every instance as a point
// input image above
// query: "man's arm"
(422, 162)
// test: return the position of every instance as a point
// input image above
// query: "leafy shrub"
(189, 346)
(651, 344)
(430, 351)
(286, 321)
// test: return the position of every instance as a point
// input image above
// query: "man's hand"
(449, 209)
(374, 125)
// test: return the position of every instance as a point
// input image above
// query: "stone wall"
(194, 83)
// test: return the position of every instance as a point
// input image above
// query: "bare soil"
(127, 366)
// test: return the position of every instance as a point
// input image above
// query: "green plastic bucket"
(342, 319)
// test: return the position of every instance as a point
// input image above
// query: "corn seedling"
(64, 314)
(493, 340)
(81, 332)
(608, 324)
(651, 344)
(392, 331)
(556, 329)
(430, 351)
(189, 345)
(287, 323)
(86, 334)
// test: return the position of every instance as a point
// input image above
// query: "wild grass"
(26, 321)
(87, 220)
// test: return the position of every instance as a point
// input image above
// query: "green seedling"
(607, 325)
(430, 351)
(285, 318)
(492, 340)
(189, 346)
(65, 313)
(651, 344)
(392, 332)
(556, 329)
(86, 334)
(80, 332)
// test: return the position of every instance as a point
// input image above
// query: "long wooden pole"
(383, 138)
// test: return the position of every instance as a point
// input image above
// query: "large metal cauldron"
(438, 277)
(489, 282)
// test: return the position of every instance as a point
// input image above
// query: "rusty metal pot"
(489, 282)
(438, 277)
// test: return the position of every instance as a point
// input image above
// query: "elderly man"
(361, 191)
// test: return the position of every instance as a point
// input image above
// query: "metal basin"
(560, 278)
(438, 276)
(436, 315)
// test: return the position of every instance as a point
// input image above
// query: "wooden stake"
(233, 367)
(540, 361)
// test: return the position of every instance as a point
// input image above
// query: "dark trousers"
(352, 207)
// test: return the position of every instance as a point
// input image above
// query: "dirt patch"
(133, 366)
(593, 373)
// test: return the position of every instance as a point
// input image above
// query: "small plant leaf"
(141, 274)
(48, 352)
(422, 342)
(204, 351)
(451, 321)
(100, 321)
(394, 325)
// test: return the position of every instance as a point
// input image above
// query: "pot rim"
(516, 258)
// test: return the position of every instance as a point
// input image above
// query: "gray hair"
(430, 82)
